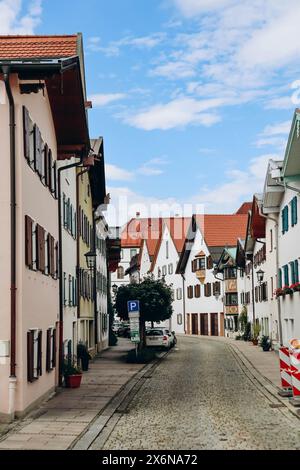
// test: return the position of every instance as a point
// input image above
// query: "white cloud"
(277, 129)
(177, 113)
(240, 187)
(115, 173)
(274, 135)
(283, 102)
(13, 20)
(148, 171)
(105, 99)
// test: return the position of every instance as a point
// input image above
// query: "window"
(122, 254)
(231, 300)
(64, 289)
(51, 349)
(286, 275)
(164, 270)
(198, 264)
(71, 300)
(179, 293)
(190, 292)
(296, 270)
(167, 250)
(207, 289)
(170, 268)
(294, 211)
(40, 248)
(263, 292)
(242, 273)
(285, 219)
(34, 355)
(179, 319)
(230, 273)
(197, 291)
(133, 252)
(217, 288)
(209, 262)
(120, 272)
(159, 273)
(271, 240)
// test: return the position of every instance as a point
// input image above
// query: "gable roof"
(42, 47)
(138, 229)
(57, 61)
(245, 208)
(219, 231)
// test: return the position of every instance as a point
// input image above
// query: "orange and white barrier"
(295, 370)
(285, 370)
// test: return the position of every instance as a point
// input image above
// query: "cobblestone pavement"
(200, 398)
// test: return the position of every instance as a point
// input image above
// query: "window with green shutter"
(285, 219)
(279, 278)
(286, 275)
(294, 211)
(296, 270)
(293, 278)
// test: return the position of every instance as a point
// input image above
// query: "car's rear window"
(154, 333)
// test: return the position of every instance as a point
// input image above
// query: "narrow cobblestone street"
(200, 398)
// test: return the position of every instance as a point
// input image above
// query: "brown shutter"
(28, 241)
(55, 180)
(46, 165)
(51, 255)
(48, 351)
(26, 133)
(37, 150)
(30, 345)
(209, 262)
(197, 291)
(40, 236)
(56, 261)
(40, 353)
(50, 164)
(54, 348)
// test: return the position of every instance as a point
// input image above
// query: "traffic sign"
(133, 306)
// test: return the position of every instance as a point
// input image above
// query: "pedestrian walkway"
(62, 419)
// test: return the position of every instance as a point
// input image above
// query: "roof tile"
(33, 47)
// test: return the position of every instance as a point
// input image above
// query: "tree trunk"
(152, 324)
(142, 343)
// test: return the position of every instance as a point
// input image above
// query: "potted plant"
(265, 343)
(295, 287)
(278, 292)
(287, 290)
(72, 373)
(84, 356)
(256, 331)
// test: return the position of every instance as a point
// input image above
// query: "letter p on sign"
(133, 306)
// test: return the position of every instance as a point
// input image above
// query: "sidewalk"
(61, 420)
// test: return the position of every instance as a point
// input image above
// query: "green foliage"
(155, 298)
(82, 351)
(243, 319)
(70, 367)
(247, 333)
(256, 331)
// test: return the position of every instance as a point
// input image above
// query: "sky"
(192, 97)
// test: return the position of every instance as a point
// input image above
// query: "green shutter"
(286, 275)
(280, 278)
(294, 211)
(292, 265)
(296, 270)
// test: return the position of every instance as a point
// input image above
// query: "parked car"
(124, 330)
(160, 338)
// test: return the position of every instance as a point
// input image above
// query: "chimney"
(138, 215)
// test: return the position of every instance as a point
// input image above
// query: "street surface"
(200, 398)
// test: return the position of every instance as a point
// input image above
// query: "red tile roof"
(245, 208)
(138, 229)
(222, 230)
(30, 47)
(179, 227)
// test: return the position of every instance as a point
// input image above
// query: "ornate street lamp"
(115, 288)
(90, 259)
(260, 276)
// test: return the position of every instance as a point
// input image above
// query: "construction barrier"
(285, 371)
(295, 367)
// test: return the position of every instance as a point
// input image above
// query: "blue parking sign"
(133, 306)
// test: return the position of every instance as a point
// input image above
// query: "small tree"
(155, 298)
(243, 319)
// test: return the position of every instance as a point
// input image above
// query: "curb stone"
(117, 404)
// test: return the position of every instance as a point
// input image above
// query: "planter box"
(73, 381)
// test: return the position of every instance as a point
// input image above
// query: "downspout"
(78, 237)
(183, 298)
(13, 262)
(95, 220)
(253, 290)
(60, 267)
(277, 269)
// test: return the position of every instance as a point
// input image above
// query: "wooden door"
(194, 323)
(204, 324)
(214, 324)
(188, 324)
(222, 325)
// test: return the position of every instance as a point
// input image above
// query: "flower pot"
(255, 342)
(73, 381)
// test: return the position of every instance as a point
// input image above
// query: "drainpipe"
(13, 263)
(60, 267)
(85, 170)
(267, 217)
(95, 220)
(183, 298)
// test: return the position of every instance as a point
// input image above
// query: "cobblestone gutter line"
(118, 404)
(265, 386)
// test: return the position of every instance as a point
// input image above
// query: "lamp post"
(90, 259)
(260, 276)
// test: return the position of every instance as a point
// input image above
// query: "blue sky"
(192, 96)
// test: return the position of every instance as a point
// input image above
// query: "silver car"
(160, 338)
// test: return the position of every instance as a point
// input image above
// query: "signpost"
(134, 319)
